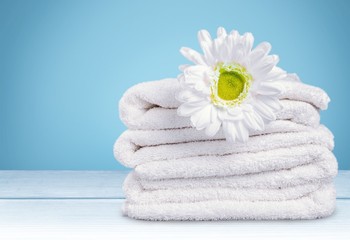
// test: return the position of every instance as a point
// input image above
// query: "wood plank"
(88, 184)
(342, 183)
(102, 219)
(61, 184)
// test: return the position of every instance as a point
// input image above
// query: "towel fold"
(234, 164)
(135, 148)
(152, 105)
(303, 174)
(317, 204)
(136, 194)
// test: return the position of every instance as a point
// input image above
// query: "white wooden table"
(86, 205)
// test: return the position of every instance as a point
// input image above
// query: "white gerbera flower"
(231, 85)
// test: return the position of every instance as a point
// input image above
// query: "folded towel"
(163, 118)
(234, 164)
(303, 174)
(158, 137)
(131, 149)
(320, 203)
(134, 193)
(152, 105)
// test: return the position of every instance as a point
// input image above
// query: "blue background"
(65, 64)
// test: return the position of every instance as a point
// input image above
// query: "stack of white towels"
(284, 172)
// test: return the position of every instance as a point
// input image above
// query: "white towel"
(234, 164)
(152, 105)
(134, 193)
(299, 175)
(320, 203)
(131, 149)
(143, 138)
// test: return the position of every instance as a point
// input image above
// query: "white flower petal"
(215, 122)
(206, 44)
(189, 108)
(198, 77)
(225, 130)
(230, 47)
(272, 102)
(192, 55)
(264, 46)
(276, 74)
(234, 45)
(183, 67)
(209, 55)
(213, 128)
(255, 57)
(259, 121)
(230, 131)
(225, 54)
(197, 70)
(237, 54)
(242, 132)
(221, 32)
(201, 119)
(293, 77)
(269, 88)
(218, 50)
(234, 33)
(204, 37)
(265, 65)
(181, 80)
(188, 95)
(222, 114)
(235, 112)
(225, 115)
(214, 114)
(248, 41)
(264, 110)
(251, 121)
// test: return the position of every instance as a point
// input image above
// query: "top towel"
(140, 103)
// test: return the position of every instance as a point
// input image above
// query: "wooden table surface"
(86, 205)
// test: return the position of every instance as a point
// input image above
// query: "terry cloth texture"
(318, 204)
(131, 148)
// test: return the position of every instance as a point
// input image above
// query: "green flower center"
(231, 86)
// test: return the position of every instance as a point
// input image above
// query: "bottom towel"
(317, 204)
(135, 193)
(300, 175)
